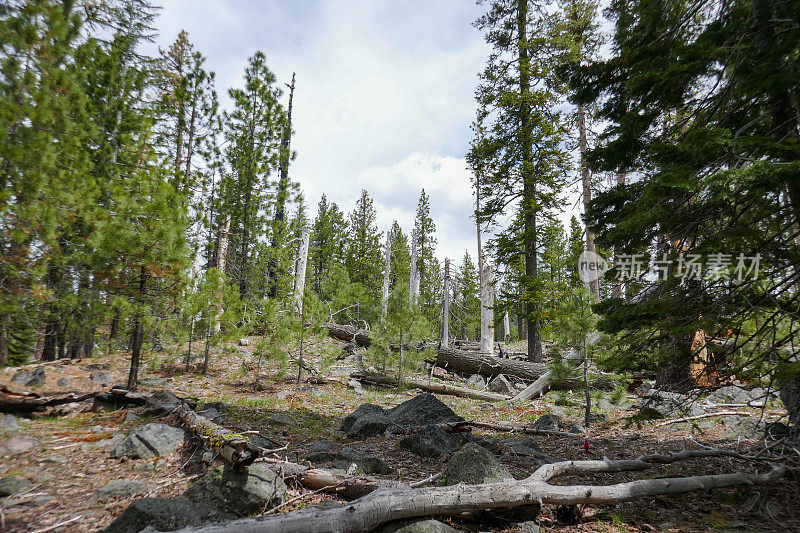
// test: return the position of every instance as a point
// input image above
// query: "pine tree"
(430, 278)
(363, 258)
(518, 153)
(466, 300)
(327, 242)
(253, 152)
(699, 105)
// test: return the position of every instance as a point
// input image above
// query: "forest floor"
(68, 457)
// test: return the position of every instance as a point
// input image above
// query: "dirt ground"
(70, 459)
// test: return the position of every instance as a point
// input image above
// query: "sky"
(384, 96)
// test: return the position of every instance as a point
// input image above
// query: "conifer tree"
(327, 242)
(363, 258)
(518, 151)
(430, 278)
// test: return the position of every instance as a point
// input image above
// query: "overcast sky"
(384, 95)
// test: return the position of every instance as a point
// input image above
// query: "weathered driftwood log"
(342, 485)
(12, 401)
(430, 386)
(231, 446)
(470, 362)
(346, 332)
(380, 507)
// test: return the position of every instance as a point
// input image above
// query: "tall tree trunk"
(387, 265)
(50, 341)
(529, 185)
(222, 255)
(617, 291)
(5, 348)
(302, 261)
(446, 309)
(114, 330)
(137, 334)
(487, 311)
(413, 279)
(282, 196)
(586, 181)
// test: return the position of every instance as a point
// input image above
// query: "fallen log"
(458, 426)
(12, 401)
(430, 386)
(380, 507)
(346, 332)
(474, 363)
(535, 389)
(342, 485)
(116, 398)
(231, 446)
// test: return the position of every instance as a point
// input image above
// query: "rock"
(214, 411)
(523, 446)
(744, 427)
(529, 527)
(416, 526)
(432, 441)
(130, 417)
(96, 367)
(100, 377)
(789, 392)
(13, 484)
(151, 440)
(349, 348)
(119, 489)
(27, 378)
(71, 408)
(501, 385)
(473, 464)
(758, 394)
(367, 463)
(162, 402)
(577, 428)
(356, 386)
(476, 381)
(367, 421)
(729, 394)
(422, 410)
(239, 493)
(548, 422)
(62, 382)
(154, 382)
(8, 422)
(643, 389)
(262, 442)
(282, 395)
(19, 444)
(244, 342)
(322, 451)
(663, 404)
(279, 418)
(605, 405)
(165, 514)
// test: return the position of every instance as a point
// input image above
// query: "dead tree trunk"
(27, 402)
(617, 291)
(137, 335)
(430, 386)
(586, 182)
(222, 256)
(446, 307)
(487, 311)
(387, 265)
(231, 446)
(474, 363)
(300, 279)
(413, 296)
(380, 507)
(345, 332)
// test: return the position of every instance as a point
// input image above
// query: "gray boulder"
(416, 526)
(664, 404)
(119, 489)
(153, 382)
(13, 484)
(100, 377)
(422, 410)
(432, 441)
(367, 421)
(162, 402)
(577, 428)
(501, 385)
(165, 514)
(239, 493)
(749, 427)
(547, 422)
(525, 446)
(151, 440)
(8, 422)
(729, 394)
(474, 464)
(27, 378)
(476, 381)
(63, 382)
(214, 411)
(19, 444)
(367, 463)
